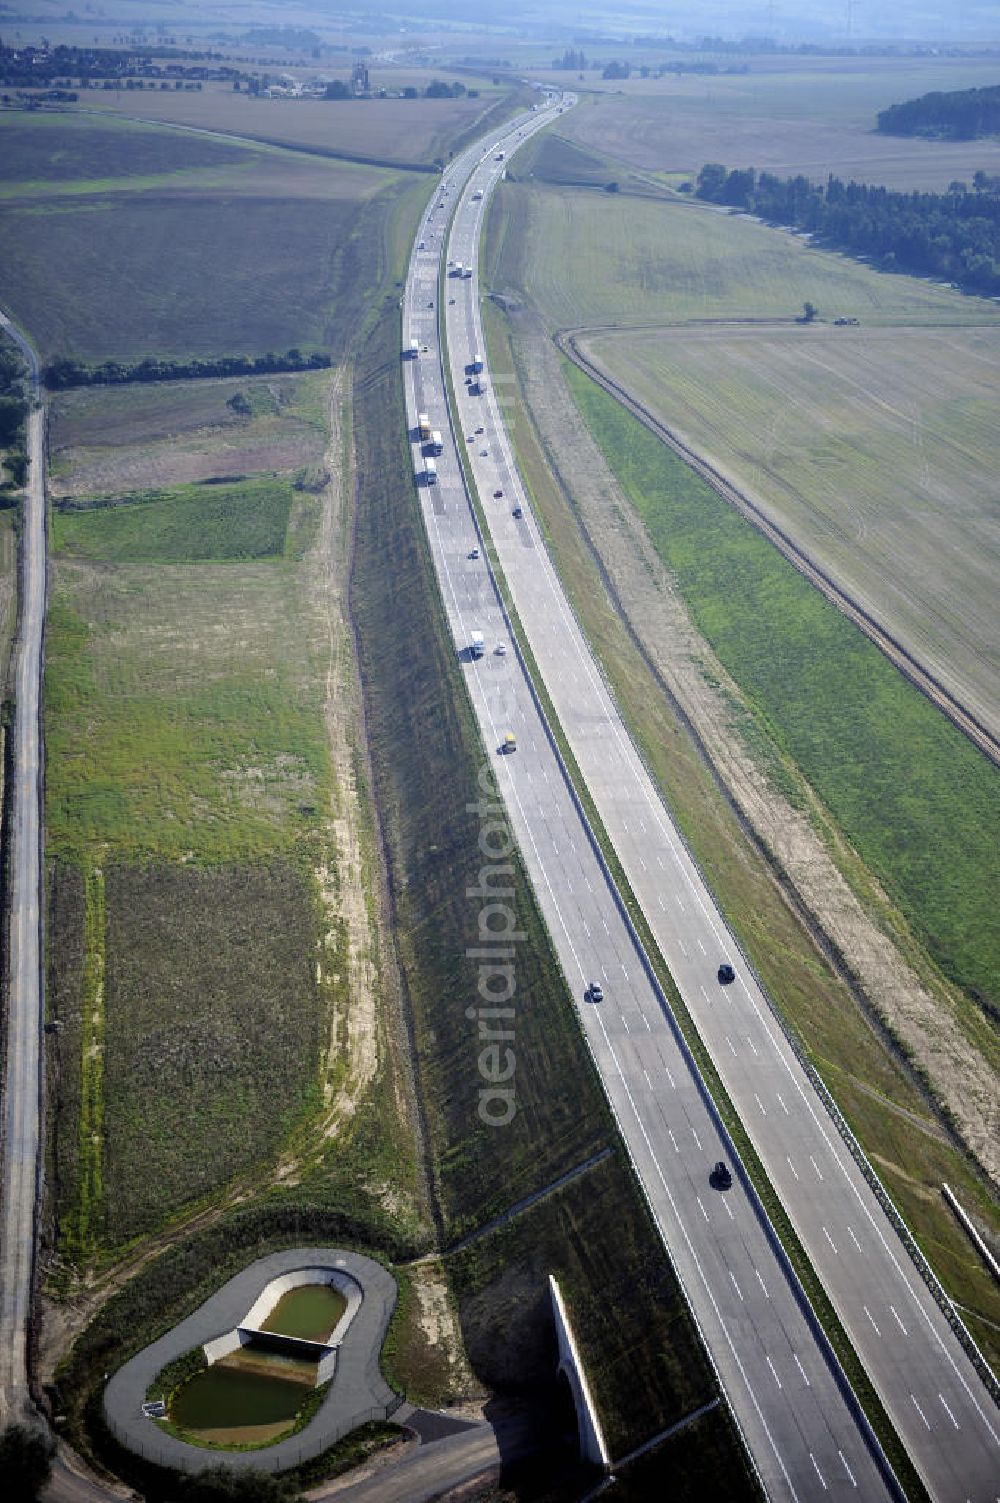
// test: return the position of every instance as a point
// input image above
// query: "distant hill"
(959, 116)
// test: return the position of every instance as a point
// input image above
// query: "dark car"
(726, 973)
(518, 513)
(594, 992)
(720, 1177)
(497, 495)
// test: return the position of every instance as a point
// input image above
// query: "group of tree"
(60, 374)
(436, 89)
(27, 1452)
(13, 415)
(962, 115)
(572, 60)
(954, 236)
(102, 67)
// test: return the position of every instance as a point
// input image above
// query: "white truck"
(467, 271)
(414, 349)
(423, 426)
(456, 270)
(437, 442)
(477, 195)
(430, 472)
(477, 644)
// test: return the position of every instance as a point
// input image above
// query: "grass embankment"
(875, 1091)
(595, 1233)
(913, 796)
(276, 250)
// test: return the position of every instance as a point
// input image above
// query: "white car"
(501, 649)
(473, 553)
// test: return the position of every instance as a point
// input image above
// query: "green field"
(874, 448)
(276, 250)
(785, 115)
(597, 258)
(183, 711)
(248, 520)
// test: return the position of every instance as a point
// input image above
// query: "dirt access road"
(21, 1119)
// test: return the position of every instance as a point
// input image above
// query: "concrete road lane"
(789, 1397)
(939, 1405)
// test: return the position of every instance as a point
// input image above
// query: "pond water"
(223, 1398)
(311, 1312)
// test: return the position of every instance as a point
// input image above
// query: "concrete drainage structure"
(230, 1318)
(323, 1353)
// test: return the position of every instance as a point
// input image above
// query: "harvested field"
(876, 449)
(411, 132)
(786, 116)
(584, 258)
(128, 438)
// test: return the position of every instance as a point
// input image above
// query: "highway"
(800, 1428)
(22, 1065)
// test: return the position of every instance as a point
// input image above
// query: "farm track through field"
(568, 341)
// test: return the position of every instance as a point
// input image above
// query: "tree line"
(953, 236)
(13, 417)
(63, 373)
(962, 115)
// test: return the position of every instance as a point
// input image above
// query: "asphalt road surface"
(800, 1427)
(24, 1025)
